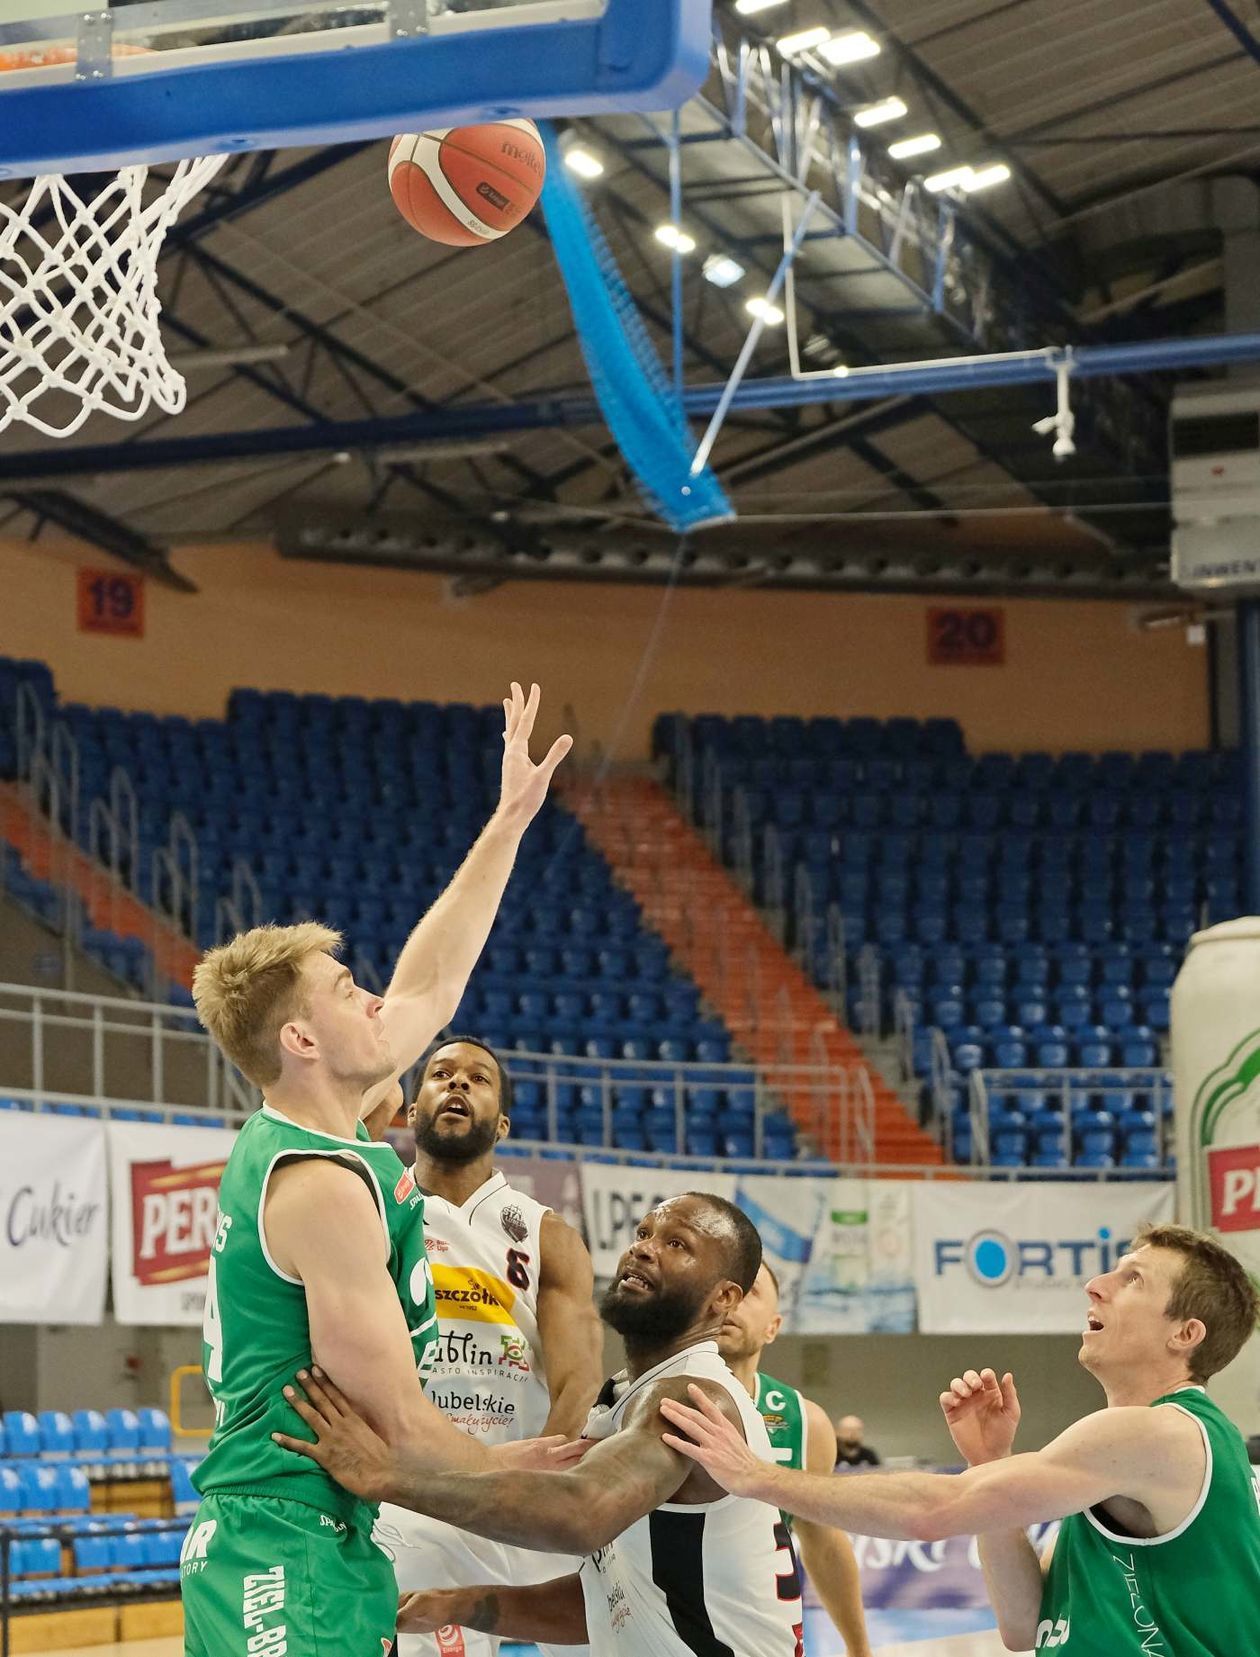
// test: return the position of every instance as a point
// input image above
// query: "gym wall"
(1078, 674)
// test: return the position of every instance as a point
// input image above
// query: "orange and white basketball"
(466, 185)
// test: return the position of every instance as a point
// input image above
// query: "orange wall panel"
(1077, 674)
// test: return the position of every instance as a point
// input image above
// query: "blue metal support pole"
(676, 269)
(701, 459)
(1249, 743)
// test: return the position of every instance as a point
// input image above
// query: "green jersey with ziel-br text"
(1194, 1592)
(256, 1334)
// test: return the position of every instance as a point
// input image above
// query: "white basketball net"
(78, 299)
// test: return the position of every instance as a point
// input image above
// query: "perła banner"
(53, 1219)
(164, 1184)
(1015, 1259)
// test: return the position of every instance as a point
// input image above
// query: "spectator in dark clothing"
(850, 1450)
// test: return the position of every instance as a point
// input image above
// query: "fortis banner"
(53, 1225)
(164, 1185)
(1015, 1259)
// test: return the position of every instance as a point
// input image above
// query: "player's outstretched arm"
(322, 1227)
(569, 1330)
(826, 1552)
(551, 1612)
(1115, 1452)
(580, 1510)
(438, 958)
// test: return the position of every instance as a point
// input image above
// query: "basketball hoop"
(78, 292)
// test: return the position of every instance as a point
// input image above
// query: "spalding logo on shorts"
(1051, 1634)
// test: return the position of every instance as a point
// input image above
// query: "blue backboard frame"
(637, 55)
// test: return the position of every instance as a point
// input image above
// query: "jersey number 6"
(517, 1272)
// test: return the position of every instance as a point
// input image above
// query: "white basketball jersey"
(719, 1579)
(486, 1370)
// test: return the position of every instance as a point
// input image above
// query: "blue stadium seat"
(21, 1433)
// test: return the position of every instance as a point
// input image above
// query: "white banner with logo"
(54, 1237)
(164, 1183)
(840, 1248)
(616, 1197)
(1015, 1259)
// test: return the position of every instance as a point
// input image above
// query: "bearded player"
(1159, 1551)
(519, 1347)
(801, 1435)
(319, 1252)
(671, 1568)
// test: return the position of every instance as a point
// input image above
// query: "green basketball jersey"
(783, 1410)
(256, 1334)
(1192, 1593)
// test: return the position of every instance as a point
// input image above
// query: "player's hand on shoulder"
(982, 1414)
(704, 1429)
(345, 1446)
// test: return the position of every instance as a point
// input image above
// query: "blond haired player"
(319, 1254)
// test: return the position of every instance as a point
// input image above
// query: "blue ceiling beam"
(487, 419)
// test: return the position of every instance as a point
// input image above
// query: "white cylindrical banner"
(1216, 1073)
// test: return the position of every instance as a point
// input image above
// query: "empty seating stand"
(1032, 908)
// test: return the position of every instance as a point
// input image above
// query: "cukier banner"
(615, 1197)
(54, 1238)
(1015, 1259)
(164, 1184)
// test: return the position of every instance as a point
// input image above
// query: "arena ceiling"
(1120, 124)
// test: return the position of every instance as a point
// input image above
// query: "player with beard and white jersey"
(672, 1568)
(519, 1346)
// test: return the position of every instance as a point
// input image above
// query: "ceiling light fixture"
(922, 143)
(804, 40)
(875, 115)
(722, 270)
(585, 163)
(671, 236)
(854, 46)
(761, 308)
(746, 8)
(968, 179)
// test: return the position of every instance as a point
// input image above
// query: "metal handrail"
(64, 757)
(870, 997)
(246, 895)
(941, 1084)
(905, 1022)
(774, 905)
(742, 841)
(837, 953)
(978, 1103)
(126, 812)
(29, 727)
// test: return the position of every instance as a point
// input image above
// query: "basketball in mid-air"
(467, 185)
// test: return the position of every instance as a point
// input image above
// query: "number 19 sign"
(111, 602)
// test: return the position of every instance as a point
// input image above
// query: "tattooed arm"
(553, 1613)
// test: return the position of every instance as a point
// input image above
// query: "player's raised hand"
(524, 786)
(712, 1441)
(982, 1414)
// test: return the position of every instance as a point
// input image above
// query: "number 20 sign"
(110, 602)
(966, 638)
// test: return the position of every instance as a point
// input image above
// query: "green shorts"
(265, 1576)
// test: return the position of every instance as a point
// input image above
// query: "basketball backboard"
(125, 82)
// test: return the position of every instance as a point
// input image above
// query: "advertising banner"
(615, 1198)
(164, 1185)
(1015, 1259)
(859, 1279)
(54, 1237)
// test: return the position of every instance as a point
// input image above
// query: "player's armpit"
(569, 1330)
